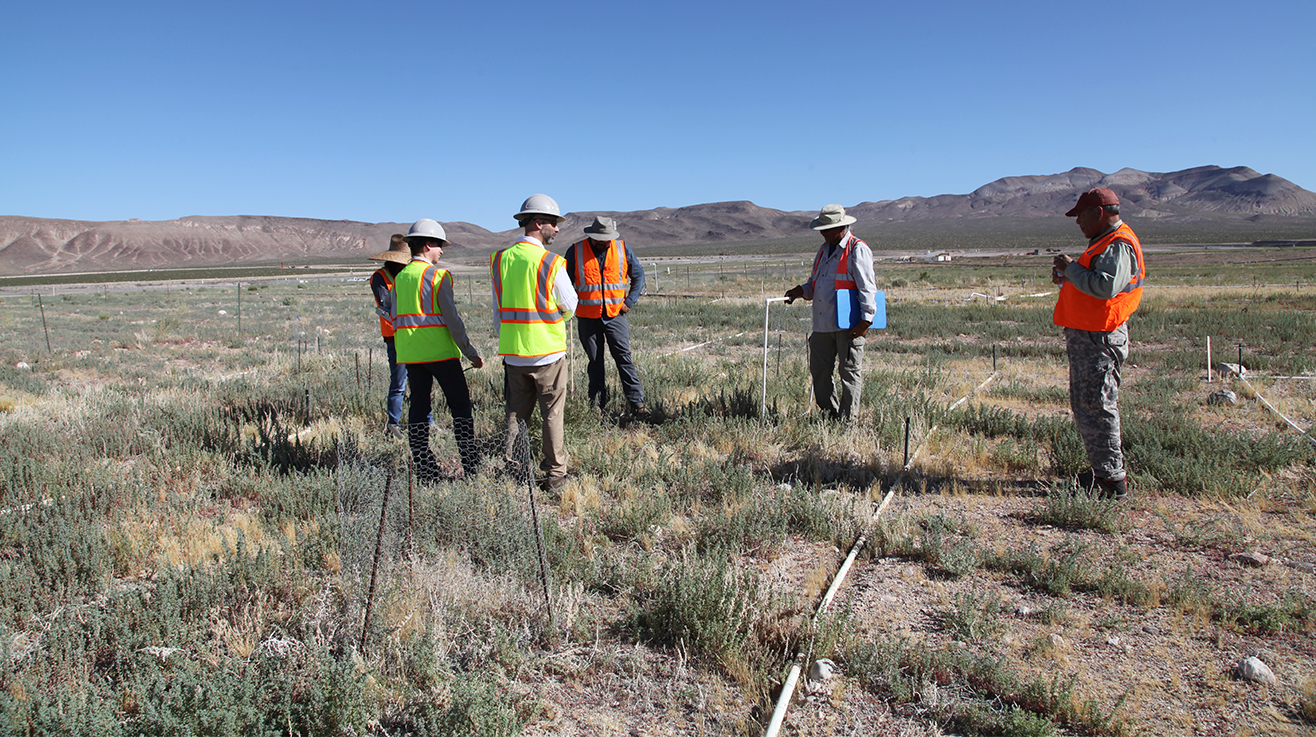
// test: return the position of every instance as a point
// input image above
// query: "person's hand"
(477, 362)
(860, 329)
(794, 293)
(625, 308)
(1058, 266)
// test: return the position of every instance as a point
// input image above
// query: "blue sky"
(458, 111)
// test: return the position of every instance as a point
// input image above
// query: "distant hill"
(44, 246)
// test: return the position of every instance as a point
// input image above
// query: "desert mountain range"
(47, 246)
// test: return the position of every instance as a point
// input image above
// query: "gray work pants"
(616, 333)
(824, 350)
(1095, 359)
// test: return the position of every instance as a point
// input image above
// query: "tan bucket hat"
(831, 216)
(603, 229)
(398, 251)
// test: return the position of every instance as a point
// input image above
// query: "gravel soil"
(1158, 669)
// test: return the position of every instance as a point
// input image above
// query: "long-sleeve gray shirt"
(821, 289)
(1110, 271)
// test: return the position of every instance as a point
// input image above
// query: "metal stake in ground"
(374, 569)
(43, 323)
(539, 538)
(906, 463)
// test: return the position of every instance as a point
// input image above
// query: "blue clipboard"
(847, 309)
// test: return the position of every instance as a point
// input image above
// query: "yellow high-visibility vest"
(421, 334)
(529, 321)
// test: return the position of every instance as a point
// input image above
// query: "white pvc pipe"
(767, 303)
(1272, 409)
(787, 690)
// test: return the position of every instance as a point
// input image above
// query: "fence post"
(374, 569)
(43, 323)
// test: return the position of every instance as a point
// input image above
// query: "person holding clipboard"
(846, 304)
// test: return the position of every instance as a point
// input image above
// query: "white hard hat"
(426, 228)
(539, 204)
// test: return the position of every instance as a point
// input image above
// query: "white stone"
(1255, 560)
(1256, 671)
(22, 365)
(1230, 369)
(821, 670)
(1223, 397)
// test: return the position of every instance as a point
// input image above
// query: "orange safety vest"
(385, 324)
(599, 291)
(1075, 309)
(843, 278)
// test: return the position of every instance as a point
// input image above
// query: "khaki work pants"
(824, 351)
(546, 385)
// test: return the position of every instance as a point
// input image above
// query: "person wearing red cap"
(1099, 291)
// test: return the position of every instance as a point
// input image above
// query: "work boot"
(1085, 479)
(1116, 490)
(394, 430)
(422, 458)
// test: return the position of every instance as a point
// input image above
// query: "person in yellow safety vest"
(533, 298)
(430, 338)
(601, 267)
(1098, 293)
(381, 286)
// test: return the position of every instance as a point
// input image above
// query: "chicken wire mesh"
(391, 512)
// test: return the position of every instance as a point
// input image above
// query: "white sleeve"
(564, 292)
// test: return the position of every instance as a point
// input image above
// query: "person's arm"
(443, 298)
(861, 270)
(1110, 271)
(564, 293)
(384, 306)
(637, 280)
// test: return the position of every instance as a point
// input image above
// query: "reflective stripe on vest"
(422, 333)
(1075, 309)
(843, 278)
(600, 290)
(529, 321)
(385, 324)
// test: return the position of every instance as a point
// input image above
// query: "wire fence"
(390, 515)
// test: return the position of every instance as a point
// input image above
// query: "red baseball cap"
(1093, 198)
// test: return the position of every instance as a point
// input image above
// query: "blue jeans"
(397, 384)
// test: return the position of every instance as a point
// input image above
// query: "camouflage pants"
(1095, 359)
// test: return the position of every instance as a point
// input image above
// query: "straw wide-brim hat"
(603, 229)
(398, 251)
(831, 216)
